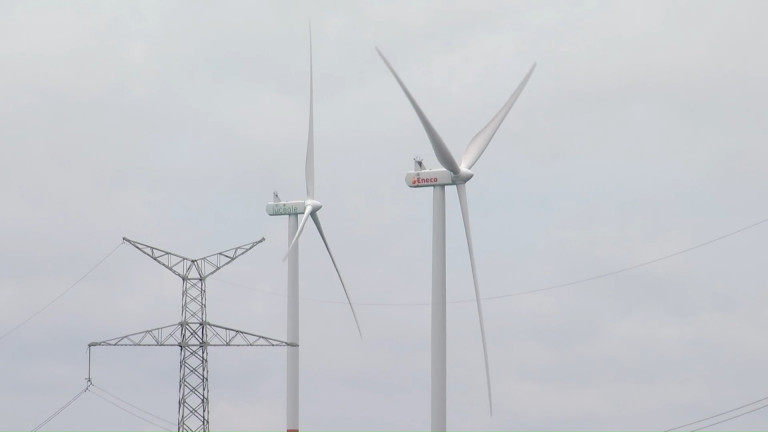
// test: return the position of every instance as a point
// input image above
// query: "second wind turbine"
(308, 208)
(456, 175)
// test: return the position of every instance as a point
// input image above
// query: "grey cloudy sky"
(641, 133)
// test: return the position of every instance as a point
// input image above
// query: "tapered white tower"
(437, 179)
(308, 208)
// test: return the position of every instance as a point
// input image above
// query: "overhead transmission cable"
(103, 390)
(632, 267)
(722, 414)
(538, 290)
(138, 416)
(60, 410)
(55, 299)
(731, 418)
(90, 386)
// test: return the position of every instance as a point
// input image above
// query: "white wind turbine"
(309, 208)
(458, 175)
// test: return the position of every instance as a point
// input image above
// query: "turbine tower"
(308, 208)
(193, 334)
(437, 179)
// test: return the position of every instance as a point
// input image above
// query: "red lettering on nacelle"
(421, 180)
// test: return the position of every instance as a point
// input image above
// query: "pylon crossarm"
(179, 265)
(209, 265)
(171, 336)
(224, 336)
(182, 266)
(161, 336)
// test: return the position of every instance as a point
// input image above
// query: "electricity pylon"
(194, 334)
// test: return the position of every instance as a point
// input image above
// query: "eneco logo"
(419, 180)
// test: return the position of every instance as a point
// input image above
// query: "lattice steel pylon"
(194, 334)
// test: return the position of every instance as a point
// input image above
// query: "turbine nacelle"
(437, 177)
(283, 208)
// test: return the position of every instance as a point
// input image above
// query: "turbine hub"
(463, 176)
(316, 205)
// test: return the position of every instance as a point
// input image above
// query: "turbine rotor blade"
(480, 142)
(309, 169)
(307, 211)
(444, 156)
(316, 219)
(462, 191)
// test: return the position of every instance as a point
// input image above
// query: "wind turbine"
(437, 179)
(308, 208)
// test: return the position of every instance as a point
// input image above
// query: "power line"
(130, 412)
(731, 418)
(95, 387)
(722, 414)
(60, 410)
(536, 290)
(55, 299)
(632, 267)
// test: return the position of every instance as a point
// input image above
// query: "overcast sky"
(642, 132)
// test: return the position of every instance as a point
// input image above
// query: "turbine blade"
(462, 191)
(309, 169)
(307, 212)
(480, 142)
(316, 219)
(444, 156)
